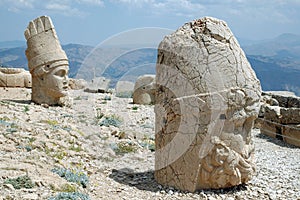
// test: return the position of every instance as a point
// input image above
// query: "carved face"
(56, 82)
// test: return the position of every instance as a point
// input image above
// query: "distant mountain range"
(275, 61)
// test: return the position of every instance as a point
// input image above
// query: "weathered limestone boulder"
(14, 77)
(98, 85)
(47, 63)
(144, 90)
(281, 120)
(77, 84)
(124, 89)
(207, 98)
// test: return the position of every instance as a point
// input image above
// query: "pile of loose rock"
(280, 116)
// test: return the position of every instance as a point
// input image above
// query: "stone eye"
(60, 73)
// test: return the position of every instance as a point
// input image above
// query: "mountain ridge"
(276, 63)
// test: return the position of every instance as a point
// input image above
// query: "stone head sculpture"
(207, 97)
(47, 62)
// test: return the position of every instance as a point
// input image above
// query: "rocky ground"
(102, 148)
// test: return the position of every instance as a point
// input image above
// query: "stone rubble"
(280, 116)
(35, 139)
(98, 85)
(15, 77)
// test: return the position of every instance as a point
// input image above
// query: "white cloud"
(91, 2)
(165, 7)
(64, 7)
(17, 5)
(58, 7)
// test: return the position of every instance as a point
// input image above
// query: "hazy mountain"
(275, 61)
(15, 57)
(12, 44)
(286, 44)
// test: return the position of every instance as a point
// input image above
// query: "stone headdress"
(44, 51)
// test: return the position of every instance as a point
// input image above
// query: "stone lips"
(206, 101)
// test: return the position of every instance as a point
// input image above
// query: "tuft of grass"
(60, 155)
(20, 182)
(112, 120)
(70, 196)
(99, 114)
(107, 98)
(75, 176)
(50, 122)
(135, 108)
(26, 108)
(75, 148)
(68, 188)
(124, 147)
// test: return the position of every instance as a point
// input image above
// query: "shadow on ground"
(18, 101)
(146, 181)
(277, 141)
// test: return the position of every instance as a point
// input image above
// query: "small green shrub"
(26, 108)
(135, 108)
(75, 148)
(111, 120)
(78, 177)
(20, 182)
(50, 122)
(68, 188)
(124, 147)
(107, 98)
(70, 196)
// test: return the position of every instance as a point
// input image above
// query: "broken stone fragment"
(14, 77)
(144, 90)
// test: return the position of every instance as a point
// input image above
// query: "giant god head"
(47, 62)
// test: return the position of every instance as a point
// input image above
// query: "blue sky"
(92, 21)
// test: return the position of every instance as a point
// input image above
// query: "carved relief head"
(47, 62)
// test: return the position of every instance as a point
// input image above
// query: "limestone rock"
(290, 115)
(285, 99)
(207, 97)
(47, 62)
(98, 85)
(144, 90)
(124, 89)
(280, 121)
(14, 77)
(77, 84)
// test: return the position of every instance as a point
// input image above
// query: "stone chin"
(57, 93)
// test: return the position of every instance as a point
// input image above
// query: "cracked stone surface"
(207, 99)
(47, 63)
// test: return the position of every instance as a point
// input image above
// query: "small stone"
(30, 197)
(9, 186)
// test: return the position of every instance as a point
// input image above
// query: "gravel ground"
(118, 161)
